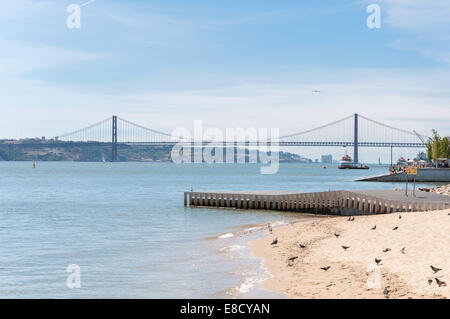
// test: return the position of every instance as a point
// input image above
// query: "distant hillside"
(64, 151)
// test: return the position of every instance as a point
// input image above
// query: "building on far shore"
(327, 159)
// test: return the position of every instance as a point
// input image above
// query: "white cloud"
(417, 16)
(18, 58)
(23, 29)
(424, 25)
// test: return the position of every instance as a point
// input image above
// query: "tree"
(429, 151)
(444, 148)
(434, 144)
(438, 147)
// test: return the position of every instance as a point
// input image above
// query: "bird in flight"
(275, 241)
(315, 91)
(377, 261)
(430, 281)
(395, 228)
(337, 235)
(302, 246)
(292, 258)
(435, 269)
(403, 250)
(325, 268)
(386, 250)
(374, 227)
(345, 247)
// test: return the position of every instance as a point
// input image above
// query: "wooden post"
(355, 201)
(222, 200)
(360, 203)
(406, 189)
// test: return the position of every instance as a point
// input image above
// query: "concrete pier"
(424, 175)
(331, 202)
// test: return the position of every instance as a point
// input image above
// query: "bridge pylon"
(355, 139)
(114, 138)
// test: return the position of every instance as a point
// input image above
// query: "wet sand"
(353, 273)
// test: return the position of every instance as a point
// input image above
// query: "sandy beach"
(421, 239)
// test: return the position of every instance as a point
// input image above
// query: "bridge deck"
(332, 202)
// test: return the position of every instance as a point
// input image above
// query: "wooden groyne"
(331, 202)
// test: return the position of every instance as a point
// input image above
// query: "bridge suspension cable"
(134, 134)
(83, 129)
(317, 128)
(420, 136)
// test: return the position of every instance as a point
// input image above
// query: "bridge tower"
(355, 141)
(114, 138)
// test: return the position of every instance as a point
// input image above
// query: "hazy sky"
(229, 63)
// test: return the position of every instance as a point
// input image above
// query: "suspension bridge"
(352, 131)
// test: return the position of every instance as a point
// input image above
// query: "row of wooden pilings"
(333, 202)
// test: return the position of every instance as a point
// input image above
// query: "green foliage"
(429, 151)
(438, 147)
(444, 148)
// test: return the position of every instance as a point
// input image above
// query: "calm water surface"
(125, 226)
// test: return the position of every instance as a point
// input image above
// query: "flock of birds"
(435, 270)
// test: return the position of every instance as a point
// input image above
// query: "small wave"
(232, 248)
(263, 227)
(227, 235)
(252, 229)
(279, 223)
(251, 281)
(247, 285)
